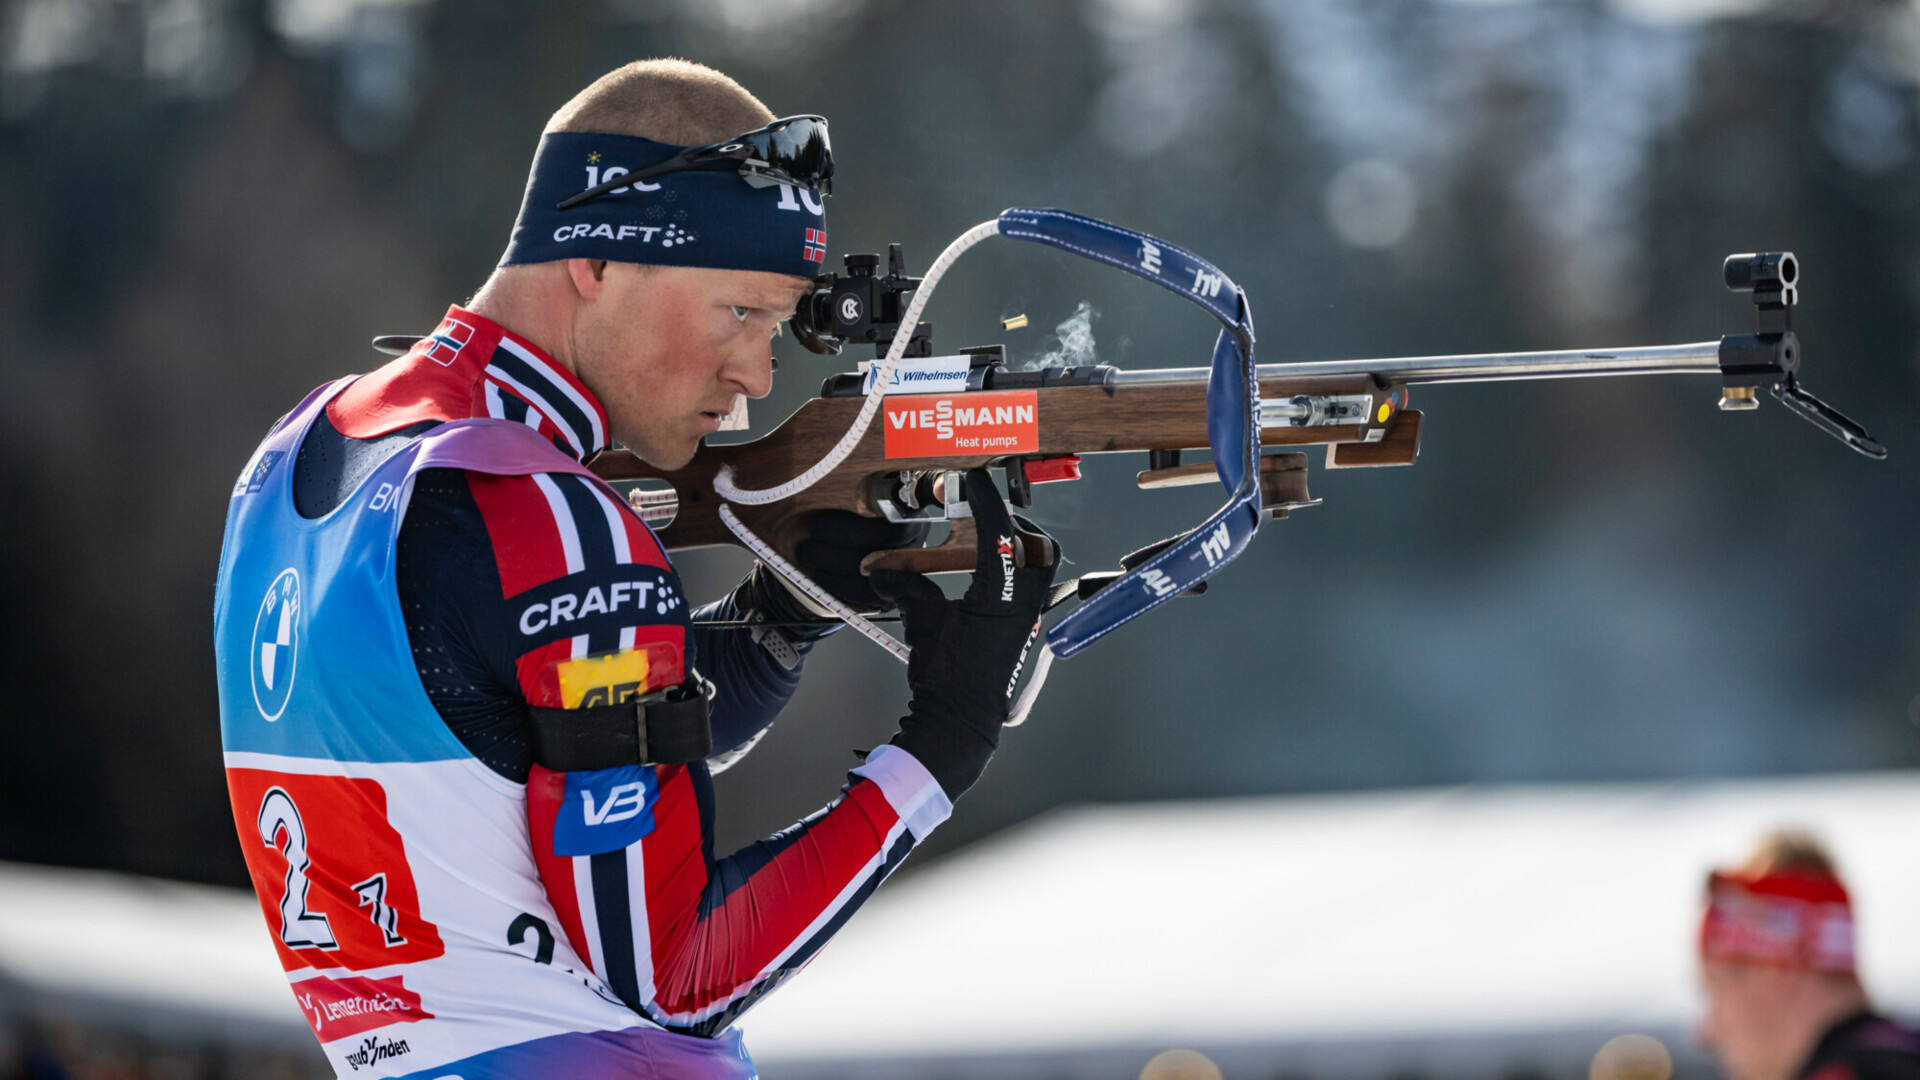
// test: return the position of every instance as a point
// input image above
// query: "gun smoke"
(1073, 341)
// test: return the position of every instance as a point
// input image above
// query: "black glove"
(763, 596)
(967, 653)
(836, 542)
(831, 556)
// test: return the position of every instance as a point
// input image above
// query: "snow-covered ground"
(1460, 931)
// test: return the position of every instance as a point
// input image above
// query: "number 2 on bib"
(331, 871)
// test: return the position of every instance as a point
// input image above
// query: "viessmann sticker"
(934, 425)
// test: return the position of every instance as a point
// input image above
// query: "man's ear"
(589, 276)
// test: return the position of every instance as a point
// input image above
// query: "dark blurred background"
(208, 207)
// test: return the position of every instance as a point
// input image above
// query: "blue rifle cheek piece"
(1233, 429)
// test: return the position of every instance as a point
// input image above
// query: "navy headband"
(711, 219)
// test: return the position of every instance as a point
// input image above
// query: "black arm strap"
(668, 727)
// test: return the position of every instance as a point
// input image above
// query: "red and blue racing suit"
(533, 591)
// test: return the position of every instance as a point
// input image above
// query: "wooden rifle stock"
(1164, 410)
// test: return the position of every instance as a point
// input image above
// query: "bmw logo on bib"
(276, 644)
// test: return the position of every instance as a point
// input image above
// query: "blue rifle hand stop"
(1233, 429)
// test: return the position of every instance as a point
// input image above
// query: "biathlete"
(469, 714)
(1783, 989)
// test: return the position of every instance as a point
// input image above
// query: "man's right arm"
(693, 941)
(626, 854)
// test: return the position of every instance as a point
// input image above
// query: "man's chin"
(666, 458)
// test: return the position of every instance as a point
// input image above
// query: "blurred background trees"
(209, 206)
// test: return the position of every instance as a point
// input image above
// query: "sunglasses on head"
(793, 150)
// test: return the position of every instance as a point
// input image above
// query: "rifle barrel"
(1698, 358)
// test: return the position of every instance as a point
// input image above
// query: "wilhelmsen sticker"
(921, 375)
(989, 422)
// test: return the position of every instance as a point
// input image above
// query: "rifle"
(1039, 424)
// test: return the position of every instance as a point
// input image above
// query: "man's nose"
(752, 370)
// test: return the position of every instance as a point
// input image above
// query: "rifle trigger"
(1019, 491)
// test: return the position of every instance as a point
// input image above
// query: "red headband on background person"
(1787, 918)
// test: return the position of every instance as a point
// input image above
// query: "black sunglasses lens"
(794, 151)
(799, 150)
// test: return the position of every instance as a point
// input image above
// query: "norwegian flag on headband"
(816, 247)
(1782, 920)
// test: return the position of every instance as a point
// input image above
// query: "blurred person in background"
(470, 720)
(1784, 997)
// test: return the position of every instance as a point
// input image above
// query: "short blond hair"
(1792, 851)
(676, 102)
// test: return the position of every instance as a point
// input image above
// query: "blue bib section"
(311, 648)
(312, 653)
